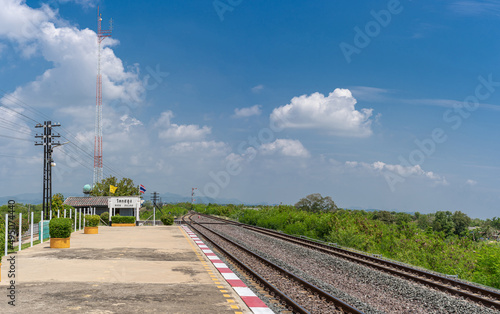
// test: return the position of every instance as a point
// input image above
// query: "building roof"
(87, 201)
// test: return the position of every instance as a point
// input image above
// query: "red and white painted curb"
(251, 300)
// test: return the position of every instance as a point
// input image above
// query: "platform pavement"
(120, 270)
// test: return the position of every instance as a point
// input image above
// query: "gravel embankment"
(367, 289)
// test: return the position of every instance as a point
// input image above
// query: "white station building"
(124, 206)
(115, 205)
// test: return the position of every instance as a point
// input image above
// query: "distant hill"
(176, 198)
(25, 198)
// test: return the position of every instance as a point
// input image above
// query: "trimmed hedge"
(123, 219)
(92, 220)
(105, 216)
(60, 227)
(167, 220)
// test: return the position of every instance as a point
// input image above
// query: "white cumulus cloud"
(471, 182)
(206, 148)
(173, 132)
(257, 89)
(247, 112)
(335, 113)
(403, 171)
(285, 147)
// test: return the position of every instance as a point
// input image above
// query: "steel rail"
(271, 288)
(323, 294)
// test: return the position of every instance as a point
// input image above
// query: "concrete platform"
(120, 270)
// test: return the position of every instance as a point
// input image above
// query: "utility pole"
(192, 196)
(46, 140)
(155, 197)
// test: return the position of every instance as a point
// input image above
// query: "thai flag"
(142, 189)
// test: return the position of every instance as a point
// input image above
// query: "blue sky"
(379, 104)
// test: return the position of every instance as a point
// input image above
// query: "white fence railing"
(34, 231)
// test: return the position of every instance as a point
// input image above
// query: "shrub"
(25, 226)
(60, 227)
(123, 219)
(167, 220)
(92, 220)
(105, 216)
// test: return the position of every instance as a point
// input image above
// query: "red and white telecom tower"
(101, 34)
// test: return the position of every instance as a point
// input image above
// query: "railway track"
(480, 295)
(295, 293)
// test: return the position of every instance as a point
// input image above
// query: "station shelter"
(114, 205)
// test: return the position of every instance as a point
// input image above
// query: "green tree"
(57, 202)
(125, 187)
(424, 221)
(495, 222)
(462, 223)
(384, 215)
(316, 203)
(443, 222)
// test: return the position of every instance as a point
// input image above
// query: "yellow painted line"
(190, 243)
(209, 270)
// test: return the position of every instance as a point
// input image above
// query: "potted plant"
(91, 224)
(122, 221)
(60, 232)
(167, 220)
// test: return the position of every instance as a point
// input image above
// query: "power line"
(27, 157)
(106, 166)
(13, 124)
(22, 104)
(80, 145)
(16, 138)
(15, 130)
(76, 159)
(19, 113)
(90, 156)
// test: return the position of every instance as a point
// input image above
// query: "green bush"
(25, 226)
(167, 220)
(123, 219)
(105, 216)
(92, 220)
(60, 227)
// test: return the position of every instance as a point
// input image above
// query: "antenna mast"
(101, 34)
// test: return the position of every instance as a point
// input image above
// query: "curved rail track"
(294, 292)
(471, 292)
